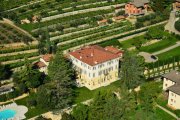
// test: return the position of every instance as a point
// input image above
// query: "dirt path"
(20, 52)
(18, 28)
(19, 60)
(20, 97)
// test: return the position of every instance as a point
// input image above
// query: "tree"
(160, 5)
(27, 78)
(106, 106)
(5, 72)
(177, 25)
(59, 92)
(132, 70)
(153, 34)
(80, 112)
(137, 43)
(148, 95)
(66, 116)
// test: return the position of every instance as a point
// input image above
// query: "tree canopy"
(58, 91)
(132, 70)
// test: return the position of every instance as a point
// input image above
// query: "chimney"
(91, 54)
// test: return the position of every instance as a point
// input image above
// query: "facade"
(43, 63)
(137, 7)
(96, 66)
(171, 84)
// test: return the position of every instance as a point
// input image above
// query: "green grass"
(158, 46)
(162, 115)
(32, 111)
(169, 54)
(83, 93)
(129, 43)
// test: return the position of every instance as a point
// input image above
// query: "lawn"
(129, 43)
(158, 46)
(170, 54)
(83, 93)
(32, 111)
(163, 115)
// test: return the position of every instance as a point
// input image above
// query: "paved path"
(79, 12)
(167, 111)
(170, 26)
(167, 49)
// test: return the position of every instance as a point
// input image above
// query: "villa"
(171, 84)
(96, 66)
(43, 63)
(137, 7)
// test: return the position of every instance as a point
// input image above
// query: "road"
(170, 25)
(79, 12)
(167, 49)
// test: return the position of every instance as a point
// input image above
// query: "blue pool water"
(7, 114)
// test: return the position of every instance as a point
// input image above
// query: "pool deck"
(20, 110)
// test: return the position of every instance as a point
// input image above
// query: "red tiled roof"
(119, 17)
(114, 50)
(102, 21)
(47, 57)
(93, 55)
(40, 64)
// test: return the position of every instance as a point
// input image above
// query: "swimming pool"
(7, 114)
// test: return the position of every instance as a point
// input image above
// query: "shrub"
(42, 118)
(31, 101)
(177, 112)
(177, 25)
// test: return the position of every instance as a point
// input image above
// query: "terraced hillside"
(16, 45)
(69, 24)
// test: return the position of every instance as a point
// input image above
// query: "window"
(94, 68)
(93, 74)
(172, 94)
(171, 100)
(166, 85)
